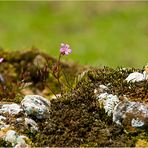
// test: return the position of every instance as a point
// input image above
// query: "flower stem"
(58, 72)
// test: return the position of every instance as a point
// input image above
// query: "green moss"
(4, 143)
(76, 118)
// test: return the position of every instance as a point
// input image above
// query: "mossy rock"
(76, 118)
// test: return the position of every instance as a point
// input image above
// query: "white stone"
(135, 77)
(12, 109)
(32, 124)
(36, 105)
(12, 137)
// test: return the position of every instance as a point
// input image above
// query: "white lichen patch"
(31, 124)
(108, 101)
(137, 123)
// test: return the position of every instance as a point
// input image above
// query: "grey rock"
(134, 114)
(35, 105)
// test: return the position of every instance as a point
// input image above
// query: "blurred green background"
(100, 33)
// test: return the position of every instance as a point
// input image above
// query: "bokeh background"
(100, 33)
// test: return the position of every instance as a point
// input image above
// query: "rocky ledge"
(95, 113)
(103, 107)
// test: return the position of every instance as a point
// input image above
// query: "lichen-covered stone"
(133, 114)
(12, 137)
(31, 124)
(76, 118)
(12, 109)
(37, 106)
(108, 101)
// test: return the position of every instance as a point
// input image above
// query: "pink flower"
(1, 60)
(64, 50)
